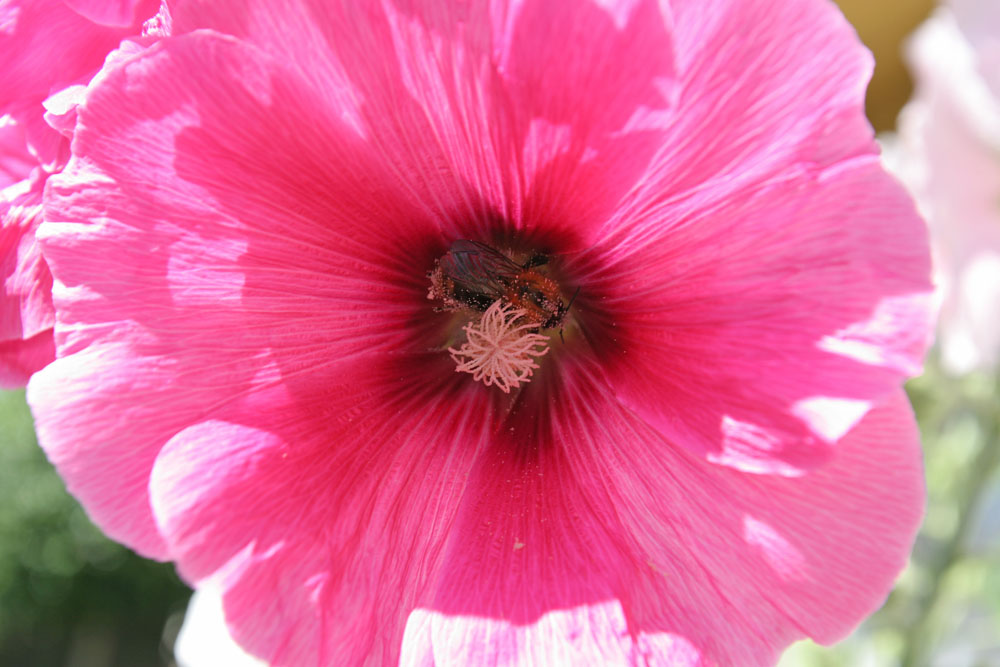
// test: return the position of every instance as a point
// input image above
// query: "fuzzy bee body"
(476, 275)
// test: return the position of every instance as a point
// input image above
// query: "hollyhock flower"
(949, 153)
(713, 456)
(49, 50)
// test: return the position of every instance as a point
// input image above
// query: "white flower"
(949, 155)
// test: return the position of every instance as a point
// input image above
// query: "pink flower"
(716, 460)
(48, 48)
(26, 313)
(949, 153)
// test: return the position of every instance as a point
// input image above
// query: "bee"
(475, 275)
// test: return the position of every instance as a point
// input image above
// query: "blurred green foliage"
(68, 595)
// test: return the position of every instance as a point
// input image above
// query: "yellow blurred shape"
(883, 25)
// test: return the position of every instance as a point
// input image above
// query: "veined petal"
(750, 106)
(426, 107)
(494, 96)
(766, 327)
(603, 540)
(324, 528)
(229, 274)
(766, 560)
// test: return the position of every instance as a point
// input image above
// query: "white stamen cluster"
(498, 350)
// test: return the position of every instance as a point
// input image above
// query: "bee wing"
(478, 267)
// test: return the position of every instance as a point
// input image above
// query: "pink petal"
(79, 435)
(761, 330)
(46, 46)
(229, 274)
(60, 107)
(47, 147)
(115, 13)
(20, 358)
(387, 81)
(602, 519)
(581, 157)
(506, 89)
(26, 299)
(750, 106)
(15, 160)
(595, 634)
(26, 311)
(808, 561)
(326, 529)
(486, 93)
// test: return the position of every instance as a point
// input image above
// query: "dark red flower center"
(508, 300)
